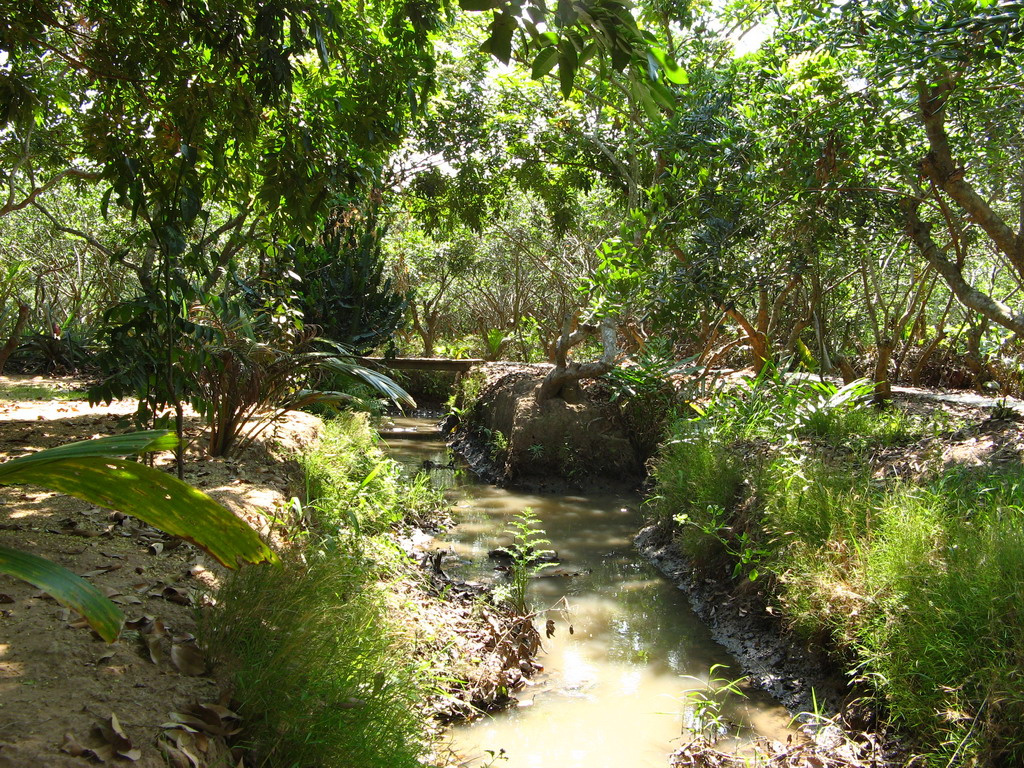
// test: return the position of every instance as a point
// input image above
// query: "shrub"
(916, 583)
(696, 478)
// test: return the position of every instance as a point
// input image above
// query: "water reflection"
(613, 692)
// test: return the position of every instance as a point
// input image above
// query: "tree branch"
(75, 232)
(919, 232)
(939, 167)
(30, 199)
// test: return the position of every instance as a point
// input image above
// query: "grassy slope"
(327, 676)
(920, 583)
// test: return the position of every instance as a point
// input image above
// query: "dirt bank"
(510, 438)
(60, 685)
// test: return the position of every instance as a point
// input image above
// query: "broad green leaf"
(66, 588)
(622, 53)
(152, 496)
(673, 72)
(116, 446)
(383, 384)
(662, 95)
(643, 94)
(565, 13)
(652, 66)
(566, 67)
(500, 42)
(544, 63)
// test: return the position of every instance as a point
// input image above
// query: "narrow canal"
(619, 689)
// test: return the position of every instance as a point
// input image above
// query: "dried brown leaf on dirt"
(154, 635)
(175, 757)
(73, 747)
(188, 659)
(176, 595)
(181, 747)
(112, 732)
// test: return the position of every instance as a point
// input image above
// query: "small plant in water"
(703, 706)
(528, 556)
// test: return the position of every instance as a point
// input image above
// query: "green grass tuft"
(323, 677)
(326, 677)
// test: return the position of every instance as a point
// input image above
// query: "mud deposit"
(776, 660)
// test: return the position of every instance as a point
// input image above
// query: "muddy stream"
(614, 692)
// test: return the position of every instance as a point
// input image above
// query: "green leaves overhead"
(578, 30)
(66, 588)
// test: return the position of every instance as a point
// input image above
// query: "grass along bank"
(872, 542)
(333, 657)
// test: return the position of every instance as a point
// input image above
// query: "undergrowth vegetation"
(353, 489)
(326, 675)
(917, 581)
(33, 391)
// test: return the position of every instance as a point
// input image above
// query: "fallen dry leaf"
(188, 659)
(153, 635)
(176, 595)
(217, 720)
(100, 754)
(112, 732)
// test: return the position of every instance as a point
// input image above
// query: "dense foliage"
(194, 196)
(913, 582)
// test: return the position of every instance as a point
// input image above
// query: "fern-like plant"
(528, 556)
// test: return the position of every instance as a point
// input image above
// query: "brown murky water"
(618, 691)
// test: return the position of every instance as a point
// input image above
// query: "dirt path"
(60, 684)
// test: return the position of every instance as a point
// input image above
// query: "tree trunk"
(15, 337)
(846, 369)
(918, 369)
(760, 353)
(563, 380)
(883, 387)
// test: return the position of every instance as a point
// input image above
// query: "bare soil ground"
(61, 687)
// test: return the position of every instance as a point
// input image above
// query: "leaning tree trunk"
(563, 380)
(12, 341)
